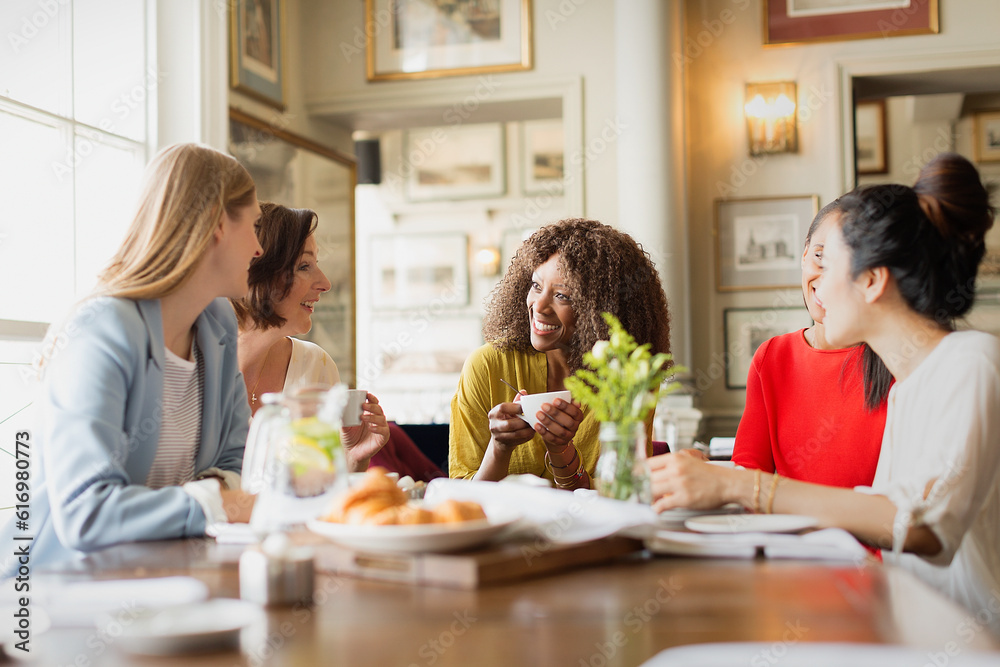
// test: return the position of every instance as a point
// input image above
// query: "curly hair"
(282, 233)
(606, 270)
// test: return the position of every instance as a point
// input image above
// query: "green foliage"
(622, 380)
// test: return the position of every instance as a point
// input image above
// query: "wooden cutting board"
(468, 569)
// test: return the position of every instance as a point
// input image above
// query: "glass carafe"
(294, 460)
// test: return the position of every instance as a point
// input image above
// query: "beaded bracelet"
(574, 479)
(550, 464)
(770, 494)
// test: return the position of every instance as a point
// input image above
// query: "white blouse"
(310, 364)
(943, 424)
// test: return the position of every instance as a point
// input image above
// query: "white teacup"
(532, 403)
(352, 410)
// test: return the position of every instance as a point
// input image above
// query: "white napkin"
(827, 544)
(232, 533)
(812, 654)
(558, 516)
(79, 604)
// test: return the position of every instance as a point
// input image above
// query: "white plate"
(750, 523)
(432, 537)
(676, 517)
(213, 625)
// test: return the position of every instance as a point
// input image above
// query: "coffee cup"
(532, 403)
(352, 409)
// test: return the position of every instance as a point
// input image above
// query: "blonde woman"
(144, 408)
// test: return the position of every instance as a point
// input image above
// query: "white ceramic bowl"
(532, 403)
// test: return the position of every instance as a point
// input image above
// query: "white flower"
(600, 350)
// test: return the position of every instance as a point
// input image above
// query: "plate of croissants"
(376, 515)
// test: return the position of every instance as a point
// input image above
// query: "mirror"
(903, 119)
(299, 173)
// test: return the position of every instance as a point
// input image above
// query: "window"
(75, 87)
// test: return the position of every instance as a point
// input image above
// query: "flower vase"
(622, 469)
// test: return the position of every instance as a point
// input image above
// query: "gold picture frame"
(987, 136)
(759, 241)
(406, 39)
(871, 142)
(744, 329)
(282, 164)
(837, 20)
(257, 50)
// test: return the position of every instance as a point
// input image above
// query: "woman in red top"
(814, 412)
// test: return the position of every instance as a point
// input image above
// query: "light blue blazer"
(102, 400)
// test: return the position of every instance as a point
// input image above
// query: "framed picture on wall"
(462, 162)
(417, 270)
(747, 328)
(759, 241)
(256, 49)
(542, 153)
(792, 21)
(414, 39)
(870, 139)
(987, 136)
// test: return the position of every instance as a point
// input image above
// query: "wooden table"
(617, 614)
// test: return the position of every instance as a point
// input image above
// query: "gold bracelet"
(575, 478)
(755, 507)
(770, 494)
(565, 447)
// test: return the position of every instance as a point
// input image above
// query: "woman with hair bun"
(899, 268)
(541, 318)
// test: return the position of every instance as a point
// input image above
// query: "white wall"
(728, 56)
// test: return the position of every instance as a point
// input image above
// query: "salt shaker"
(277, 573)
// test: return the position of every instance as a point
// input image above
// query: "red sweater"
(805, 416)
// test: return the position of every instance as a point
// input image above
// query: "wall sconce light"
(771, 118)
(488, 261)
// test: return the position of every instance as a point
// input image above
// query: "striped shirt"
(180, 427)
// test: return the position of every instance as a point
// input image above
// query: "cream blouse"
(944, 424)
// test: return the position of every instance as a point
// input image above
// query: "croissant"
(378, 501)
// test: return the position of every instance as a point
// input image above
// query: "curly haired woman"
(541, 318)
